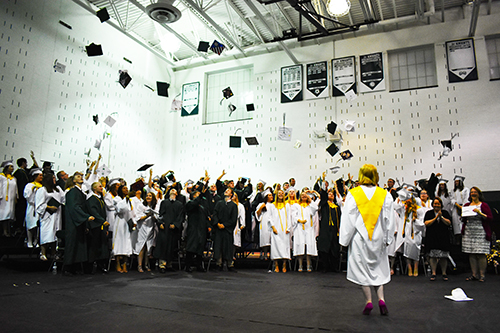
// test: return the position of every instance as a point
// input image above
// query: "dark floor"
(251, 300)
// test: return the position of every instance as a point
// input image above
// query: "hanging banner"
(317, 80)
(344, 76)
(461, 60)
(371, 72)
(190, 99)
(291, 84)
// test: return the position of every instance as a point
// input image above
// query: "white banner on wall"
(461, 60)
(317, 80)
(344, 75)
(190, 99)
(291, 84)
(371, 69)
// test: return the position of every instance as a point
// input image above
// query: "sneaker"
(43, 257)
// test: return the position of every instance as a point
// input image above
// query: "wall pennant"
(317, 80)
(291, 84)
(371, 72)
(461, 60)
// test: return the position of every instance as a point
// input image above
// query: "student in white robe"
(263, 214)
(31, 218)
(240, 224)
(304, 230)
(459, 197)
(122, 242)
(147, 214)
(367, 228)
(281, 225)
(413, 229)
(48, 207)
(444, 194)
(8, 196)
(109, 201)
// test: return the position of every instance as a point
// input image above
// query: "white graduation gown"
(282, 222)
(398, 223)
(413, 244)
(31, 217)
(367, 262)
(265, 230)
(461, 198)
(8, 196)
(304, 235)
(110, 209)
(49, 223)
(147, 229)
(240, 223)
(122, 241)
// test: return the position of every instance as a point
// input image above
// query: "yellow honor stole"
(369, 209)
(9, 177)
(302, 206)
(280, 205)
(330, 220)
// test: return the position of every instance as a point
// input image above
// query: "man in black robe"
(75, 250)
(391, 189)
(22, 180)
(98, 229)
(223, 223)
(170, 228)
(196, 232)
(329, 225)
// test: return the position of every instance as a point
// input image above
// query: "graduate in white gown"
(413, 228)
(147, 214)
(31, 218)
(240, 224)
(459, 197)
(109, 201)
(122, 242)
(281, 225)
(367, 229)
(304, 230)
(49, 213)
(8, 196)
(263, 214)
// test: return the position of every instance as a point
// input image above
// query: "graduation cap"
(189, 183)
(227, 93)
(350, 125)
(6, 163)
(331, 128)
(297, 144)
(335, 169)
(234, 141)
(262, 182)
(457, 177)
(170, 175)
(162, 88)
(446, 144)
(231, 108)
(443, 181)
(47, 164)
(113, 182)
(110, 121)
(408, 187)
(332, 149)
(217, 47)
(346, 154)
(102, 14)
(97, 144)
(203, 46)
(93, 50)
(103, 171)
(137, 186)
(124, 79)
(145, 167)
(35, 171)
(252, 141)
(404, 194)
(250, 107)
(95, 119)
(266, 193)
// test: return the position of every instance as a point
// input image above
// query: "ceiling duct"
(163, 11)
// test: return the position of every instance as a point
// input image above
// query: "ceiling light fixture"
(338, 7)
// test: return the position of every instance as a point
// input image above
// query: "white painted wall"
(398, 132)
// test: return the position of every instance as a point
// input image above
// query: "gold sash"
(369, 209)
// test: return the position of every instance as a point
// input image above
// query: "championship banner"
(344, 75)
(291, 84)
(461, 60)
(371, 72)
(190, 99)
(317, 80)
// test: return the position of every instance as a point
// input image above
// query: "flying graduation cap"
(447, 147)
(346, 154)
(124, 79)
(93, 50)
(331, 128)
(227, 93)
(217, 47)
(95, 119)
(103, 14)
(203, 46)
(332, 149)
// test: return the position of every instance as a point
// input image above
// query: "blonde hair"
(368, 175)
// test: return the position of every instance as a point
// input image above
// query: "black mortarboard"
(124, 79)
(102, 14)
(250, 107)
(346, 154)
(217, 47)
(227, 93)
(331, 128)
(170, 175)
(93, 50)
(235, 142)
(231, 108)
(333, 149)
(162, 88)
(446, 144)
(95, 119)
(137, 186)
(203, 46)
(252, 141)
(145, 167)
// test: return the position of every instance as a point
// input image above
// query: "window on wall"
(412, 68)
(493, 48)
(219, 109)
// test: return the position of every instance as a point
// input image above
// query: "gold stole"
(369, 209)
(304, 205)
(9, 177)
(330, 221)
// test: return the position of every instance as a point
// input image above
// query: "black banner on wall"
(371, 72)
(461, 60)
(317, 80)
(291, 84)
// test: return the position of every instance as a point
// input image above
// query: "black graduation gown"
(437, 235)
(328, 239)
(197, 225)
(75, 250)
(98, 241)
(225, 213)
(171, 212)
(21, 204)
(212, 200)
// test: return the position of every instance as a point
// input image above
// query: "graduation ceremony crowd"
(152, 219)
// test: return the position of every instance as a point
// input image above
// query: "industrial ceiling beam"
(305, 12)
(475, 14)
(247, 22)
